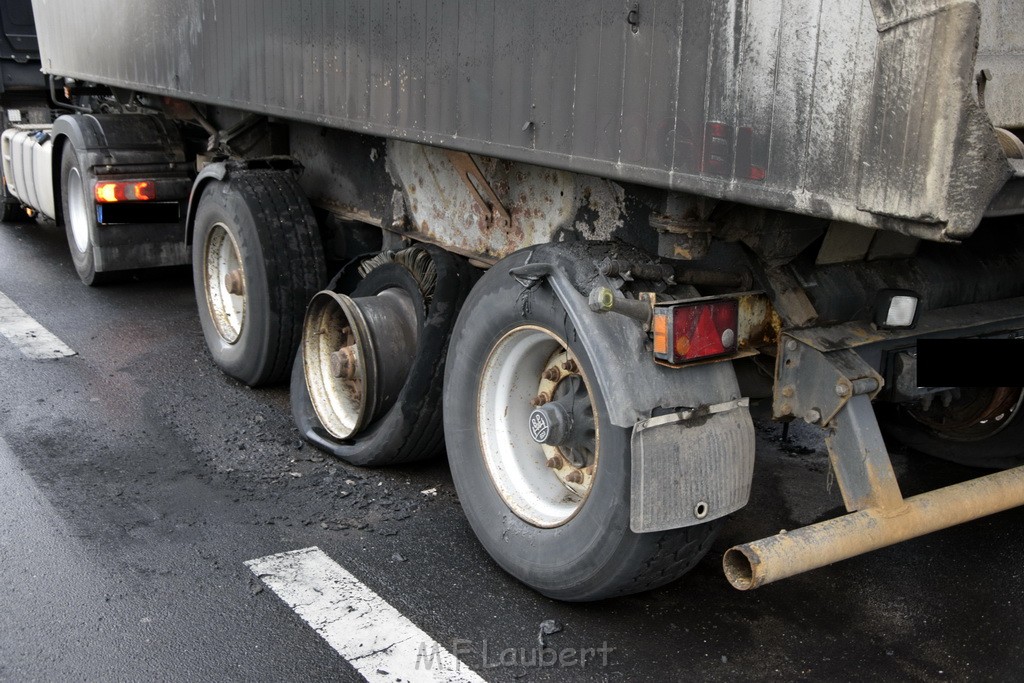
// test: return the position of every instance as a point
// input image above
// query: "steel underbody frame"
(828, 377)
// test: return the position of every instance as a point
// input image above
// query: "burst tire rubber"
(413, 428)
(595, 554)
(277, 244)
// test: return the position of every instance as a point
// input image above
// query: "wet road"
(136, 481)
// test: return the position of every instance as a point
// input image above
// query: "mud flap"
(691, 466)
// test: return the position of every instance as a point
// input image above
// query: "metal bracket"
(691, 413)
(834, 390)
(815, 385)
(493, 213)
(982, 79)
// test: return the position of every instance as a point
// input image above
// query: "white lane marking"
(31, 338)
(375, 638)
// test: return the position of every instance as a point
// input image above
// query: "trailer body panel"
(860, 111)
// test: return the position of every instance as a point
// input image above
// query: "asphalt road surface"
(136, 482)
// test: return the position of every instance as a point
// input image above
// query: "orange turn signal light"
(109, 192)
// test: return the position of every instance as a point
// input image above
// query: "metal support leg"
(860, 459)
(880, 516)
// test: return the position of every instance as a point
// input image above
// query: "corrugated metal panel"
(1001, 51)
(706, 96)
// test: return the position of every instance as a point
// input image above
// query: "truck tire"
(79, 215)
(566, 535)
(981, 428)
(256, 260)
(412, 428)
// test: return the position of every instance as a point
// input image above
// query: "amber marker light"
(122, 191)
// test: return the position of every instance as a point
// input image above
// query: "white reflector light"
(902, 311)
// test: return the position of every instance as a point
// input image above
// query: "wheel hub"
(571, 448)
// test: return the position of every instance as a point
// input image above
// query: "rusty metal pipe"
(755, 564)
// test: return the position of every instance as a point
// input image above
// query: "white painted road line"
(375, 638)
(31, 338)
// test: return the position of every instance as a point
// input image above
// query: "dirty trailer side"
(593, 237)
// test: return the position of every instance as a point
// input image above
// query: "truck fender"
(692, 436)
(80, 132)
(106, 141)
(220, 170)
(217, 170)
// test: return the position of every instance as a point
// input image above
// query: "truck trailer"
(573, 244)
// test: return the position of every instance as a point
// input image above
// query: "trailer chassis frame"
(828, 376)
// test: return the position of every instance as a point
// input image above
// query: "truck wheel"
(79, 215)
(982, 427)
(256, 260)
(386, 409)
(542, 474)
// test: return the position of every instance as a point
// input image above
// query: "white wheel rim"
(221, 259)
(78, 217)
(518, 465)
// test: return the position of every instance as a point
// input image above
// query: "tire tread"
(288, 236)
(673, 554)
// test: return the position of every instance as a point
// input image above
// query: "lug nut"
(540, 399)
(234, 282)
(570, 366)
(343, 363)
(574, 477)
(552, 374)
(555, 462)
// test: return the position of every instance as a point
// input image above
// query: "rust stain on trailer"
(489, 208)
(758, 324)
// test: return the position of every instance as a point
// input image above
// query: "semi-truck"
(573, 245)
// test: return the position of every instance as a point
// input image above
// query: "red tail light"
(695, 331)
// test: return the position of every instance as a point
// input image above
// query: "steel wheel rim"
(221, 258)
(518, 465)
(990, 422)
(78, 217)
(343, 405)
